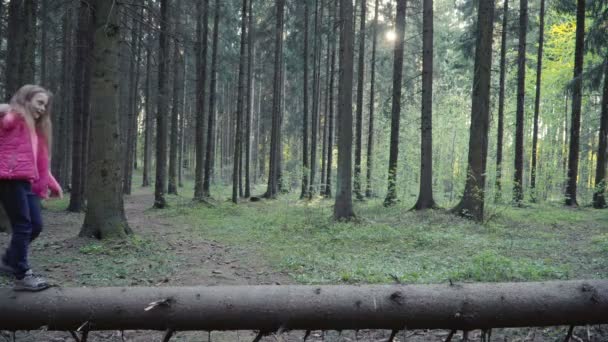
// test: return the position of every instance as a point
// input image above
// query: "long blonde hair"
(19, 103)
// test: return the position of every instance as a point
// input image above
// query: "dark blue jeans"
(23, 210)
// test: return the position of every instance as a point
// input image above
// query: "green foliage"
(489, 266)
(392, 244)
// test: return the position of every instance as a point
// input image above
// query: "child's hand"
(56, 193)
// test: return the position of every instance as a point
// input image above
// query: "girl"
(25, 140)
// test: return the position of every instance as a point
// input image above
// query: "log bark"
(269, 308)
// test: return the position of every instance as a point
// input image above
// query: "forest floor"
(290, 241)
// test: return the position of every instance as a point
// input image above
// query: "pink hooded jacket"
(20, 160)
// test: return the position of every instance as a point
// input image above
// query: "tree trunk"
(212, 100)
(316, 88)
(472, 203)
(162, 111)
(518, 194)
(360, 89)
(577, 96)
(539, 64)
(132, 116)
(372, 94)
(391, 196)
(27, 56)
(296, 307)
(238, 142)
(200, 174)
(599, 200)
(60, 155)
(250, 95)
(332, 76)
(178, 81)
(76, 204)
(425, 198)
(343, 208)
(14, 45)
(44, 27)
(501, 101)
(275, 142)
(326, 108)
(305, 169)
(148, 124)
(105, 215)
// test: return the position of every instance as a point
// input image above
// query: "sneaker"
(31, 282)
(6, 268)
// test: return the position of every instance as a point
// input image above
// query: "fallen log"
(270, 308)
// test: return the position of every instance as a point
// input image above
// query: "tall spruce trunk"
(391, 195)
(305, 169)
(209, 161)
(131, 137)
(372, 94)
(44, 44)
(162, 111)
(343, 208)
(518, 194)
(250, 94)
(501, 101)
(14, 45)
(81, 62)
(275, 135)
(316, 88)
(178, 80)
(425, 197)
(60, 155)
(238, 142)
(325, 110)
(105, 215)
(148, 123)
(599, 199)
(539, 65)
(577, 96)
(360, 89)
(201, 76)
(472, 203)
(332, 76)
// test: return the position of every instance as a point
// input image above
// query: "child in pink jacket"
(25, 177)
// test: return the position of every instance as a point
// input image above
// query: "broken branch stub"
(270, 308)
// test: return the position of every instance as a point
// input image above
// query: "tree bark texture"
(275, 135)
(518, 194)
(305, 124)
(162, 111)
(472, 203)
(209, 161)
(343, 208)
(316, 96)
(360, 89)
(201, 76)
(250, 95)
(337, 307)
(149, 120)
(599, 199)
(391, 195)
(425, 197)
(81, 62)
(332, 76)
(539, 65)
(131, 103)
(238, 142)
(372, 95)
(105, 215)
(577, 97)
(501, 101)
(178, 82)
